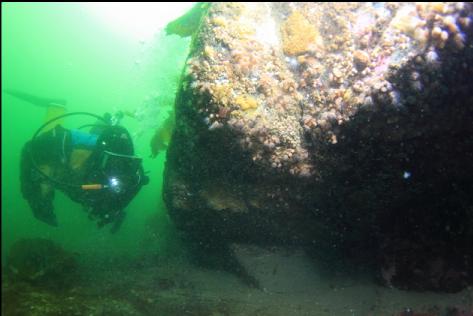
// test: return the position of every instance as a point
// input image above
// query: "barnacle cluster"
(317, 66)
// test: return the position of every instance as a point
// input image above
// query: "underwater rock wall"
(341, 127)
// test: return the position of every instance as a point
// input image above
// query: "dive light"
(113, 184)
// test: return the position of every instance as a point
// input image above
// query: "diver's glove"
(44, 212)
(113, 119)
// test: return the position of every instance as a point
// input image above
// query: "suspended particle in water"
(406, 175)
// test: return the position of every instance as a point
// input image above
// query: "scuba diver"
(97, 169)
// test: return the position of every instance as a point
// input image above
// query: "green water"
(109, 57)
(66, 50)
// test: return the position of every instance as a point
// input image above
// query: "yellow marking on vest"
(78, 157)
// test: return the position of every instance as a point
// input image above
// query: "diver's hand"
(115, 217)
(118, 222)
(44, 212)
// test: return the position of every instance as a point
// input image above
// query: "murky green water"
(112, 57)
(90, 56)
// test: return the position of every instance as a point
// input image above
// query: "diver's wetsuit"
(71, 158)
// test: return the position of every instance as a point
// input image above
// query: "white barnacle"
(215, 125)
(432, 57)
(292, 63)
(396, 99)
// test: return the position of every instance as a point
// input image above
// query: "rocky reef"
(40, 261)
(344, 128)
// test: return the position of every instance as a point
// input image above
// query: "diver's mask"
(122, 172)
(115, 167)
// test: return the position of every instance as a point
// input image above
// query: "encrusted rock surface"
(335, 126)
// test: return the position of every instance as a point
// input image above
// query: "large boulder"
(341, 127)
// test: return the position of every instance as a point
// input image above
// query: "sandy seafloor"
(176, 287)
